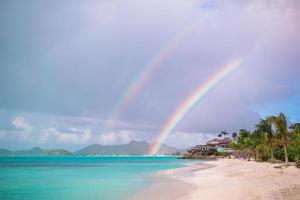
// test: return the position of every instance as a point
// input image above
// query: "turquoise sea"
(66, 178)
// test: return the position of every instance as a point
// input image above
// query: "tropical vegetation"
(272, 140)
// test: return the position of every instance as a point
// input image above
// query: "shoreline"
(224, 179)
(170, 184)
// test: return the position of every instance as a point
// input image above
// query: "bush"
(294, 148)
(262, 153)
(223, 154)
(278, 154)
(210, 152)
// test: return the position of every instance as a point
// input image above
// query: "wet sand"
(170, 184)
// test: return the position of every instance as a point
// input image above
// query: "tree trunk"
(272, 154)
(286, 154)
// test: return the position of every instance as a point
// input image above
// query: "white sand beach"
(224, 179)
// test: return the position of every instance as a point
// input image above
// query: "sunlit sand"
(230, 179)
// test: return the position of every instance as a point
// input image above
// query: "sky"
(65, 67)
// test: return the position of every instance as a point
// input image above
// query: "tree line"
(273, 139)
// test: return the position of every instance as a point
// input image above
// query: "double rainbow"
(137, 84)
(191, 101)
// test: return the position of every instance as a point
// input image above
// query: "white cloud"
(20, 123)
(112, 138)
(185, 139)
(52, 135)
(126, 136)
(84, 137)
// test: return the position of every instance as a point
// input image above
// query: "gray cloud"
(67, 66)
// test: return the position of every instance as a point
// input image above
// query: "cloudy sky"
(64, 68)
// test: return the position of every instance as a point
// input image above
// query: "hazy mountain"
(57, 152)
(36, 151)
(167, 150)
(132, 148)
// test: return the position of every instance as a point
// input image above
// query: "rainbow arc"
(188, 104)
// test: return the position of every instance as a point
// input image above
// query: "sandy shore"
(225, 179)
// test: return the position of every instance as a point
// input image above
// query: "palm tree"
(234, 135)
(224, 133)
(283, 132)
(258, 144)
(245, 142)
(265, 127)
(220, 135)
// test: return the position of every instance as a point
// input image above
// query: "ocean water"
(66, 178)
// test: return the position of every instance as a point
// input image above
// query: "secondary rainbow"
(191, 101)
(137, 84)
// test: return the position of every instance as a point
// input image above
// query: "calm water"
(107, 178)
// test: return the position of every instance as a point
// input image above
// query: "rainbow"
(137, 84)
(191, 101)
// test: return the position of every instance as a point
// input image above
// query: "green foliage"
(262, 152)
(235, 145)
(294, 147)
(265, 136)
(208, 152)
(279, 154)
(224, 154)
(272, 139)
(244, 133)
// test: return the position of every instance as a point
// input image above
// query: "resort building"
(219, 142)
(219, 145)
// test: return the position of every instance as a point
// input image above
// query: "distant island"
(36, 151)
(132, 148)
